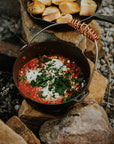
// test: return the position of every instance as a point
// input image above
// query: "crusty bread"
(51, 13)
(52, 17)
(50, 10)
(36, 7)
(57, 2)
(46, 2)
(88, 7)
(69, 7)
(64, 18)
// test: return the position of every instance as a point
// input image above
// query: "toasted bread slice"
(36, 7)
(46, 2)
(52, 17)
(50, 10)
(64, 18)
(69, 7)
(51, 13)
(57, 2)
(88, 7)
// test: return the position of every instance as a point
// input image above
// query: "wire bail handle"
(83, 29)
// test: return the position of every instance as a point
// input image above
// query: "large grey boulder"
(83, 125)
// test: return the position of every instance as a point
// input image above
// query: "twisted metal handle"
(83, 29)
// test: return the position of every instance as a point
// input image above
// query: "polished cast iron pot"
(65, 49)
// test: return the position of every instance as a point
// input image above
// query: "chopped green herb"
(59, 90)
(64, 63)
(61, 84)
(44, 84)
(80, 75)
(39, 62)
(39, 56)
(68, 90)
(75, 114)
(49, 65)
(50, 87)
(65, 99)
(40, 92)
(74, 93)
(68, 74)
(33, 83)
(42, 96)
(23, 78)
(28, 93)
(46, 59)
(80, 80)
(53, 96)
(39, 66)
(28, 71)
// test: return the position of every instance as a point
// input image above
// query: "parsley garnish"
(23, 78)
(46, 59)
(65, 99)
(40, 92)
(42, 96)
(28, 93)
(80, 80)
(39, 62)
(75, 114)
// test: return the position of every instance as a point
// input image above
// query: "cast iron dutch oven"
(64, 27)
(54, 47)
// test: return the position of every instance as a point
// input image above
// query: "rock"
(83, 125)
(9, 49)
(97, 85)
(20, 128)
(112, 52)
(8, 136)
(82, 45)
(71, 36)
(102, 61)
(17, 107)
(31, 117)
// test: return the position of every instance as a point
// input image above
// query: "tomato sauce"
(50, 79)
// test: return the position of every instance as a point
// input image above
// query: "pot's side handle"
(109, 19)
(81, 97)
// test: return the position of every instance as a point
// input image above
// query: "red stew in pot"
(51, 79)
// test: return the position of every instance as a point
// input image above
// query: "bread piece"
(46, 2)
(88, 7)
(69, 7)
(64, 18)
(36, 7)
(50, 10)
(51, 13)
(52, 16)
(57, 2)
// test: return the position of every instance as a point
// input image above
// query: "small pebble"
(17, 107)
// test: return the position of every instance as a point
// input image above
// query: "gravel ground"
(11, 103)
(105, 64)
